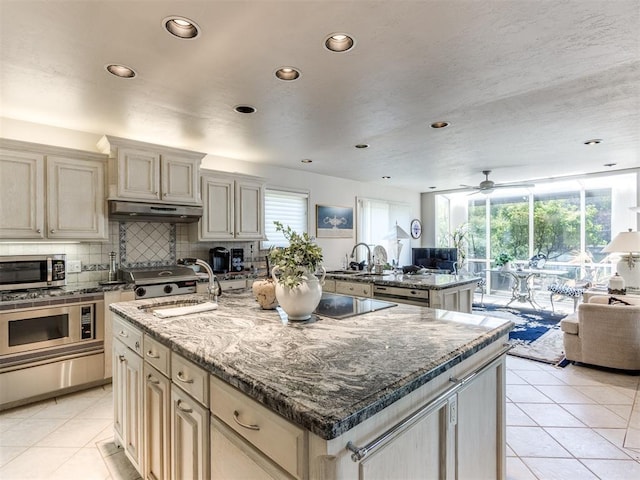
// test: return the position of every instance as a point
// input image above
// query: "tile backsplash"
(137, 244)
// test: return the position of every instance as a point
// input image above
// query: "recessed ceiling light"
(306, 160)
(339, 42)
(244, 109)
(121, 71)
(610, 164)
(440, 124)
(386, 177)
(362, 145)
(287, 73)
(594, 141)
(181, 27)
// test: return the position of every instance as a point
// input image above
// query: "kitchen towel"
(177, 311)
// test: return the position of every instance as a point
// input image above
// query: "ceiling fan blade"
(470, 186)
(513, 185)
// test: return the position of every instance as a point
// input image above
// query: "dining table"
(522, 289)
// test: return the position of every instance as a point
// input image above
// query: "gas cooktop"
(343, 306)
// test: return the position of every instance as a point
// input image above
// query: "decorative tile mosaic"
(147, 244)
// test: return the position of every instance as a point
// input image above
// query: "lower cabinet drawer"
(190, 378)
(354, 288)
(127, 334)
(157, 355)
(274, 436)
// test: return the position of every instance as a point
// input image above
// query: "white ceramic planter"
(299, 302)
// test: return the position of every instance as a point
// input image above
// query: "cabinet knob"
(236, 416)
(38, 230)
(52, 230)
(121, 358)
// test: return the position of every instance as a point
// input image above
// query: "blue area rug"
(537, 334)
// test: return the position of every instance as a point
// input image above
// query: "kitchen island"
(404, 392)
(435, 290)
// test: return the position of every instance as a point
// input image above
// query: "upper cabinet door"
(21, 194)
(138, 174)
(179, 179)
(217, 222)
(249, 210)
(76, 199)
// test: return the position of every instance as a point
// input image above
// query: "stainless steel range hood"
(153, 212)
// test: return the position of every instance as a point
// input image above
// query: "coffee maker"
(220, 259)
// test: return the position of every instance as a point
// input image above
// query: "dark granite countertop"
(425, 281)
(55, 296)
(326, 375)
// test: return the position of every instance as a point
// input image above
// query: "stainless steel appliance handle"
(49, 269)
(358, 453)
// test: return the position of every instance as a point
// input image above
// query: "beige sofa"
(603, 334)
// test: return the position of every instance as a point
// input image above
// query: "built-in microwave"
(19, 272)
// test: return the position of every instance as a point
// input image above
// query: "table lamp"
(628, 245)
(397, 234)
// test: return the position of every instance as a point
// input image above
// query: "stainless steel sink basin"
(347, 272)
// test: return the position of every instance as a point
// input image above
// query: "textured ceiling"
(523, 83)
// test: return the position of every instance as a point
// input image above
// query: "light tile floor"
(562, 423)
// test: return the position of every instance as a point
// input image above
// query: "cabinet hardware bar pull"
(236, 415)
(358, 453)
(150, 354)
(121, 358)
(185, 410)
(153, 380)
(180, 377)
(122, 333)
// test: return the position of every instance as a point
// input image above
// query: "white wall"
(324, 190)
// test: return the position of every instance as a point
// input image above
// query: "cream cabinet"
(233, 207)
(51, 193)
(157, 424)
(127, 402)
(189, 437)
(358, 289)
(76, 199)
(457, 299)
(153, 173)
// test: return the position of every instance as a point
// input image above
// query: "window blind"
(290, 208)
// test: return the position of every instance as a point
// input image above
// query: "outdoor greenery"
(556, 226)
(503, 259)
(295, 260)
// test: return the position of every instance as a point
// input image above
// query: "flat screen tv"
(435, 258)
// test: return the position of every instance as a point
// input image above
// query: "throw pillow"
(617, 301)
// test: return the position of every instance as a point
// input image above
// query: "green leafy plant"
(503, 259)
(293, 261)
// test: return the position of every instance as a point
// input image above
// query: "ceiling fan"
(487, 186)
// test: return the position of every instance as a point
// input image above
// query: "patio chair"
(570, 288)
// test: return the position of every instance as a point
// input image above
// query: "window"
(376, 220)
(290, 208)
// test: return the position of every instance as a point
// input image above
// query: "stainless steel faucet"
(369, 262)
(214, 288)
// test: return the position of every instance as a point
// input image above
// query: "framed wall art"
(334, 222)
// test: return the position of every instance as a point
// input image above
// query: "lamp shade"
(396, 233)
(624, 242)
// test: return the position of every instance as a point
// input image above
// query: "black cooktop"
(343, 306)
